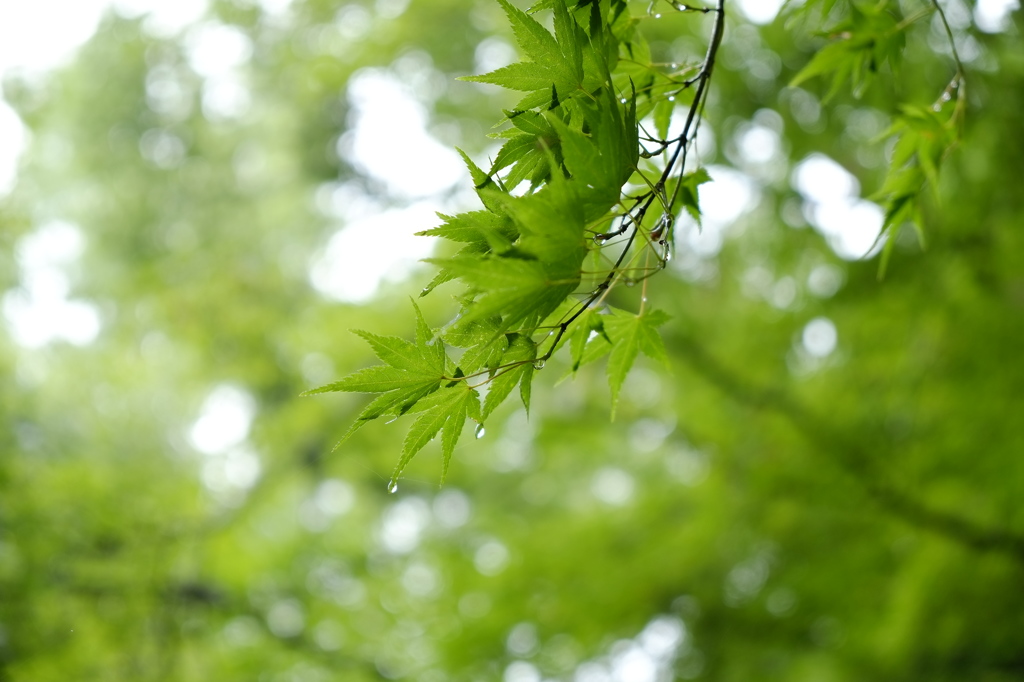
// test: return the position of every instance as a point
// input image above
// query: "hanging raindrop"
(480, 431)
(538, 364)
(629, 282)
(393, 486)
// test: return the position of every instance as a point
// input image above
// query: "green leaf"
(631, 334)
(832, 57)
(483, 340)
(588, 331)
(570, 38)
(526, 388)
(526, 76)
(448, 410)
(395, 351)
(532, 156)
(651, 343)
(556, 70)
(923, 140)
(603, 160)
(551, 224)
(411, 372)
(867, 39)
(396, 402)
(469, 406)
(481, 227)
(520, 291)
(688, 195)
(420, 433)
(430, 347)
(531, 122)
(533, 167)
(533, 38)
(520, 355)
(480, 178)
(445, 275)
(515, 149)
(663, 116)
(377, 379)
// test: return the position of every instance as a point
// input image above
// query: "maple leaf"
(630, 335)
(445, 411)
(411, 372)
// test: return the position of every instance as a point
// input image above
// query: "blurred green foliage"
(768, 510)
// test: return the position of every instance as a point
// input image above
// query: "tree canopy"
(757, 283)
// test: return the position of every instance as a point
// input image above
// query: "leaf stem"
(952, 40)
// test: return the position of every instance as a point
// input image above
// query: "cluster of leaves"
(601, 196)
(862, 42)
(578, 200)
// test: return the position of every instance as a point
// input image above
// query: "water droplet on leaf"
(393, 486)
(629, 282)
(480, 431)
(671, 98)
(539, 364)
